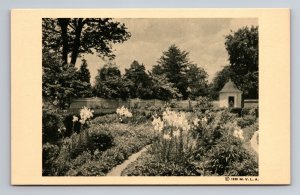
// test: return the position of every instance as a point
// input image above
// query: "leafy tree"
(219, 81)
(84, 74)
(242, 48)
(76, 36)
(157, 69)
(162, 88)
(197, 81)
(188, 78)
(110, 84)
(84, 89)
(59, 81)
(174, 63)
(141, 81)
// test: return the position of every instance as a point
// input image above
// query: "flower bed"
(76, 157)
(205, 144)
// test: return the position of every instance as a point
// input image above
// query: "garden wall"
(251, 103)
(103, 106)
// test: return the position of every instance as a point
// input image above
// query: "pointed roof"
(230, 87)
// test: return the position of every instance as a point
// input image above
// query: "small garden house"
(230, 96)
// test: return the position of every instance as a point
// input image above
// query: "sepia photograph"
(150, 96)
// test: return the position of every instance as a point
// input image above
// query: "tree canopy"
(109, 83)
(219, 81)
(242, 48)
(141, 82)
(188, 78)
(173, 63)
(76, 36)
(197, 81)
(61, 82)
(162, 88)
(84, 76)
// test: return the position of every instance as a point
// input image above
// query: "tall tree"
(242, 48)
(75, 36)
(141, 87)
(110, 84)
(84, 88)
(162, 88)
(59, 81)
(174, 63)
(197, 81)
(84, 74)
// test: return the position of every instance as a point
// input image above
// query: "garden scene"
(170, 118)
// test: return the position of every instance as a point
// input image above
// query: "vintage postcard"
(150, 96)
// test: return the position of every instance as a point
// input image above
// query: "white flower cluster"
(238, 133)
(158, 124)
(177, 120)
(196, 122)
(75, 119)
(124, 112)
(203, 121)
(85, 114)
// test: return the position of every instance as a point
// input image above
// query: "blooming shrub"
(172, 136)
(123, 114)
(78, 157)
(216, 140)
(220, 147)
(85, 115)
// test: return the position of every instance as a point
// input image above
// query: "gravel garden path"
(254, 141)
(117, 170)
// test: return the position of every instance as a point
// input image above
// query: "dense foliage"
(214, 145)
(63, 82)
(109, 83)
(188, 78)
(242, 48)
(75, 36)
(141, 82)
(197, 140)
(96, 149)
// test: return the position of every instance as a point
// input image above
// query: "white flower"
(82, 121)
(176, 119)
(204, 120)
(167, 137)
(158, 124)
(75, 118)
(124, 112)
(96, 152)
(196, 121)
(238, 133)
(85, 114)
(176, 133)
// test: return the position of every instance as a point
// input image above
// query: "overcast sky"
(202, 38)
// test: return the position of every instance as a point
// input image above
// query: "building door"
(231, 101)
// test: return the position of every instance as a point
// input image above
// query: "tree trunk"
(63, 23)
(76, 44)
